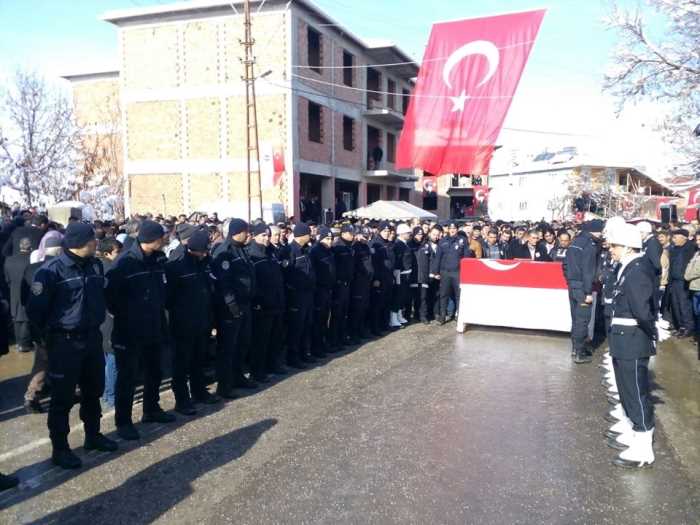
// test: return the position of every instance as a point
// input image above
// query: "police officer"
(633, 337)
(425, 278)
(183, 232)
(344, 272)
(403, 269)
(363, 276)
(190, 292)
(451, 250)
(300, 282)
(382, 269)
(136, 294)
(268, 307)
(412, 308)
(68, 304)
(235, 286)
(324, 266)
(580, 268)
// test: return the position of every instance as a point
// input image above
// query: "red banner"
(470, 71)
(521, 274)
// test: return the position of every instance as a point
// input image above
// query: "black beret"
(347, 228)
(681, 231)
(150, 231)
(301, 229)
(78, 235)
(198, 241)
(384, 225)
(237, 226)
(260, 228)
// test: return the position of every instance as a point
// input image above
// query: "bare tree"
(37, 141)
(662, 68)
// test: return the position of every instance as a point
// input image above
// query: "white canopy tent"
(390, 210)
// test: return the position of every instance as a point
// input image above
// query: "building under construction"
(328, 116)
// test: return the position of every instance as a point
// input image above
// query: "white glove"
(662, 330)
(397, 276)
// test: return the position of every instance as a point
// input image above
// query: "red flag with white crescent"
(470, 71)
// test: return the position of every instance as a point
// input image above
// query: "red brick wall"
(343, 157)
(312, 150)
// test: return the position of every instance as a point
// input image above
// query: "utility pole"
(251, 115)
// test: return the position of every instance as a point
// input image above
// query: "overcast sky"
(560, 90)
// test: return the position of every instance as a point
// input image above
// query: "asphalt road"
(423, 426)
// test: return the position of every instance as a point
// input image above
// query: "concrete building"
(182, 106)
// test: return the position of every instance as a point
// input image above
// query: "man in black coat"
(136, 295)
(15, 266)
(344, 273)
(680, 254)
(429, 286)
(323, 262)
(652, 250)
(189, 301)
(533, 249)
(363, 273)
(34, 231)
(451, 250)
(383, 263)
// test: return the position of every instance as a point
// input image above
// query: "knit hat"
(260, 229)
(384, 225)
(198, 241)
(237, 226)
(347, 228)
(323, 232)
(150, 231)
(185, 231)
(78, 235)
(301, 229)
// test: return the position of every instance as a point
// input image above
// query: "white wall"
(527, 196)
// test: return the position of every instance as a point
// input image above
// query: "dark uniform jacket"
(581, 265)
(30, 232)
(451, 250)
(324, 265)
(269, 279)
(558, 254)
(4, 324)
(679, 257)
(540, 254)
(190, 292)
(299, 274)
(424, 257)
(234, 276)
(178, 252)
(136, 295)
(344, 263)
(633, 299)
(26, 293)
(405, 259)
(15, 266)
(68, 294)
(383, 261)
(363, 271)
(652, 250)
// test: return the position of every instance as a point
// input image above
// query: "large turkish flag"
(469, 74)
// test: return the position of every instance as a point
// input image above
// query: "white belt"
(623, 321)
(607, 301)
(406, 271)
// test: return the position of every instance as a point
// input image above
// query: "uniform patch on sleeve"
(165, 279)
(225, 265)
(37, 288)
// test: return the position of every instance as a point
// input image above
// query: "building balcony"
(379, 112)
(386, 172)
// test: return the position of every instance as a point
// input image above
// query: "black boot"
(8, 482)
(100, 442)
(65, 458)
(157, 416)
(128, 433)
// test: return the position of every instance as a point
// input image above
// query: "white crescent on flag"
(477, 47)
(495, 265)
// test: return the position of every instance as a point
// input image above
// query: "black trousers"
(266, 354)
(320, 330)
(340, 308)
(188, 358)
(449, 288)
(429, 300)
(23, 336)
(379, 308)
(299, 320)
(75, 361)
(357, 318)
(130, 359)
(632, 377)
(580, 318)
(681, 307)
(232, 349)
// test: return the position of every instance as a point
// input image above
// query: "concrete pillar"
(383, 193)
(361, 194)
(328, 193)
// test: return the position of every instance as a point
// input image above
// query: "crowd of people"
(99, 303)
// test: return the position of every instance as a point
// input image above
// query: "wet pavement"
(423, 426)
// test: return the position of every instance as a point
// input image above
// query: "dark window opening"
(348, 133)
(391, 97)
(315, 123)
(314, 49)
(404, 194)
(374, 84)
(348, 62)
(390, 147)
(405, 101)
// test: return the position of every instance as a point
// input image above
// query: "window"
(390, 147)
(406, 99)
(315, 123)
(348, 133)
(314, 49)
(404, 194)
(348, 62)
(391, 97)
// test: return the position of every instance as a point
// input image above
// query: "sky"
(560, 91)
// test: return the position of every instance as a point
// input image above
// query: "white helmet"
(611, 225)
(403, 228)
(626, 235)
(644, 228)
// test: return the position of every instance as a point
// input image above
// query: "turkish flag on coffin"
(469, 74)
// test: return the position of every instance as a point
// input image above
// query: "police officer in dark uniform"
(580, 268)
(268, 307)
(344, 272)
(183, 232)
(235, 286)
(382, 269)
(633, 337)
(324, 266)
(68, 304)
(412, 308)
(136, 295)
(190, 293)
(300, 282)
(451, 250)
(363, 275)
(427, 284)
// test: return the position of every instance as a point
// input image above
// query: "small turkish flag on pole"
(469, 75)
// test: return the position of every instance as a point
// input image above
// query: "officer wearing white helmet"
(633, 337)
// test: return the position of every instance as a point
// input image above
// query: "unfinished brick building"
(182, 104)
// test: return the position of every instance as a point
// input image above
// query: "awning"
(390, 210)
